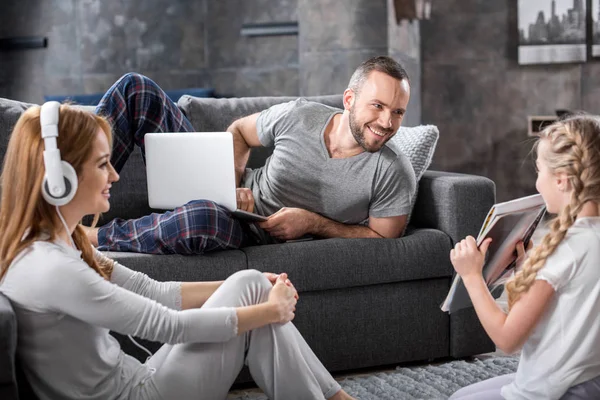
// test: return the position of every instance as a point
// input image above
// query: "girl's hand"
(283, 299)
(522, 254)
(466, 258)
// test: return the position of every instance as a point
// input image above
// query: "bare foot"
(341, 395)
(92, 234)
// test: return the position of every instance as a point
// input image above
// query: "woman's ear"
(348, 98)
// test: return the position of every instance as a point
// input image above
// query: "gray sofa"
(364, 302)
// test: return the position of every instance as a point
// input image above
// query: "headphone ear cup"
(70, 177)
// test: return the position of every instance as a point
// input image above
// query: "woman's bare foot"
(341, 395)
(92, 234)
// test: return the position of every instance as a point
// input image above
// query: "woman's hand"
(466, 258)
(273, 279)
(283, 299)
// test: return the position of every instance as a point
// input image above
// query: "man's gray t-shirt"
(300, 173)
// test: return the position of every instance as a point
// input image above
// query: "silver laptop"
(186, 166)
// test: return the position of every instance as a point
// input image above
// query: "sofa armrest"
(453, 203)
(8, 345)
(457, 204)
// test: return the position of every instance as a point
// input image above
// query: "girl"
(67, 296)
(554, 300)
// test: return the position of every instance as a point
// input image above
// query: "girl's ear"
(562, 182)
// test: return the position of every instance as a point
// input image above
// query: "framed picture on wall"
(552, 31)
(595, 20)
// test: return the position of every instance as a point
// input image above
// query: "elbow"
(233, 127)
(508, 346)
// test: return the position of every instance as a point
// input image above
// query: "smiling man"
(330, 174)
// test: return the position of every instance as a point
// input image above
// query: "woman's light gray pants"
(279, 359)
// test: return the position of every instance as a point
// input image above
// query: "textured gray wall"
(178, 43)
(197, 43)
(337, 35)
(479, 97)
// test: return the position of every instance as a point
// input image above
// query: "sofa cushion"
(10, 111)
(418, 144)
(94, 99)
(174, 267)
(343, 263)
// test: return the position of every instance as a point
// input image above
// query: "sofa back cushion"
(10, 111)
(129, 195)
(8, 348)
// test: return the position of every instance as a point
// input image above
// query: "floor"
(254, 391)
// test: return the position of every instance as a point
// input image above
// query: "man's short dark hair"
(384, 64)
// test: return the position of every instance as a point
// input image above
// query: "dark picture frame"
(594, 29)
(553, 31)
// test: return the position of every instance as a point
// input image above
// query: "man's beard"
(359, 134)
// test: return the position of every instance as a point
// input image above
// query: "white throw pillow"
(418, 144)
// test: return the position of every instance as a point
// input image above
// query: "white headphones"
(60, 181)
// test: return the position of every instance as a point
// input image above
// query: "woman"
(67, 296)
(554, 300)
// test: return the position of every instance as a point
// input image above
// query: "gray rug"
(422, 382)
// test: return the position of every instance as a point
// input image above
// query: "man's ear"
(348, 98)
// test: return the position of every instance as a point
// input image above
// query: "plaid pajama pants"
(135, 105)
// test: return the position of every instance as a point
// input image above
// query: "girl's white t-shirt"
(564, 348)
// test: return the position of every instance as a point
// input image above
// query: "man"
(330, 174)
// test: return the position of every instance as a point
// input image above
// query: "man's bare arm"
(390, 227)
(245, 137)
(292, 223)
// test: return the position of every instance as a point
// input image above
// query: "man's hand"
(467, 259)
(288, 223)
(245, 199)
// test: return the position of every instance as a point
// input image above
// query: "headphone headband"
(49, 119)
(60, 181)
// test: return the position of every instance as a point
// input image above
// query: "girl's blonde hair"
(575, 151)
(24, 214)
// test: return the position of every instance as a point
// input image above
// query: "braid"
(574, 152)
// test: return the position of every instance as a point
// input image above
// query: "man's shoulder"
(393, 160)
(393, 156)
(315, 106)
(299, 107)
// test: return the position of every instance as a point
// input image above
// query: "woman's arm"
(175, 295)
(71, 287)
(195, 294)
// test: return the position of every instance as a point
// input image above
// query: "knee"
(133, 77)
(134, 82)
(205, 212)
(253, 281)
(252, 276)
